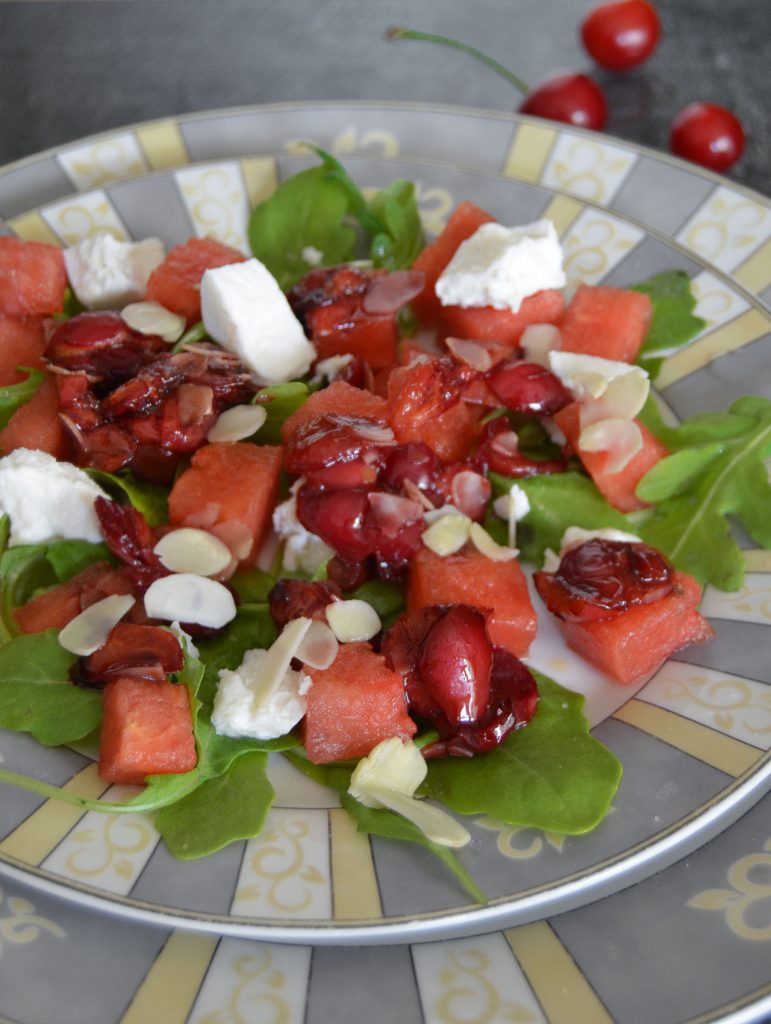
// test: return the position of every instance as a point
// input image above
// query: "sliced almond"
(187, 597)
(538, 340)
(319, 646)
(486, 546)
(470, 492)
(88, 631)
(278, 658)
(353, 620)
(447, 534)
(153, 318)
(435, 823)
(621, 439)
(472, 353)
(237, 423)
(194, 551)
(622, 399)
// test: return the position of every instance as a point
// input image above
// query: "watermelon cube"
(462, 224)
(36, 424)
(339, 399)
(469, 577)
(617, 488)
(353, 705)
(22, 343)
(176, 283)
(607, 322)
(231, 490)
(486, 323)
(147, 729)
(630, 646)
(32, 278)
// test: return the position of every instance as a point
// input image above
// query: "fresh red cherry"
(621, 35)
(569, 97)
(708, 135)
(565, 96)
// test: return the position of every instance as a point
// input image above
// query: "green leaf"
(557, 501)
(13, 396)
(37, 695)
(402, 240)
(550, 775)
(148, 498)
(385, 597)
(253, 585)
(393, 826)
(221, 810)
(718, 470)
(307, 210)
(673, 323)
(279, 401)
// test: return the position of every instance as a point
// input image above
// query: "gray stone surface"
(69, 69)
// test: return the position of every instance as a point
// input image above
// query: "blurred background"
(75, 67)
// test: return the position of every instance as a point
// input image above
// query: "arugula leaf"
(673, 323)
(383, 823)
(393, 826)
(37, 695)
(385, 597)
(13, 396)
(221, 810)
(306, 211)
(551, 774)
(402, 239)
(720, 473)
(148, 498)
(279, 402)
(557, 501)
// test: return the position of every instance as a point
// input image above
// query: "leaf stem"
(400, 32)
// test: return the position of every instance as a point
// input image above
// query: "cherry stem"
(399, 32)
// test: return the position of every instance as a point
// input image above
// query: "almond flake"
(486, 546)
(436, 824)
(187, 597)
(621, 439)
(278, 658)
(237, 423)
(88, 631)
(194, 551)
(353, 620)
(447, 534)
(472, 353)
(319, 646)
(538, 340)
(622, 399)
(153, 318)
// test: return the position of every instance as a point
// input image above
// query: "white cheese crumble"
(238, 711)
(106, 273)
(501, 267)
(245, 311)
(45, 499)
(303, 550)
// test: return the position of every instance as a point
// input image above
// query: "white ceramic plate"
(693, 741)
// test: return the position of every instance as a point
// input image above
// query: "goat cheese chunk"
(105, 273)
(47, 500)
(501, 267)
(238, 710)
(246, 312)
(303, 550)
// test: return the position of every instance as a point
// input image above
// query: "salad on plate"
(315, 503)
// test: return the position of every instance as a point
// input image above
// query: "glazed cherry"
(602, 578)
(455, 664)
(134, 651)
(707, 134)
(566, 96)
(528, 387)
(621, 35)
(295, 599)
